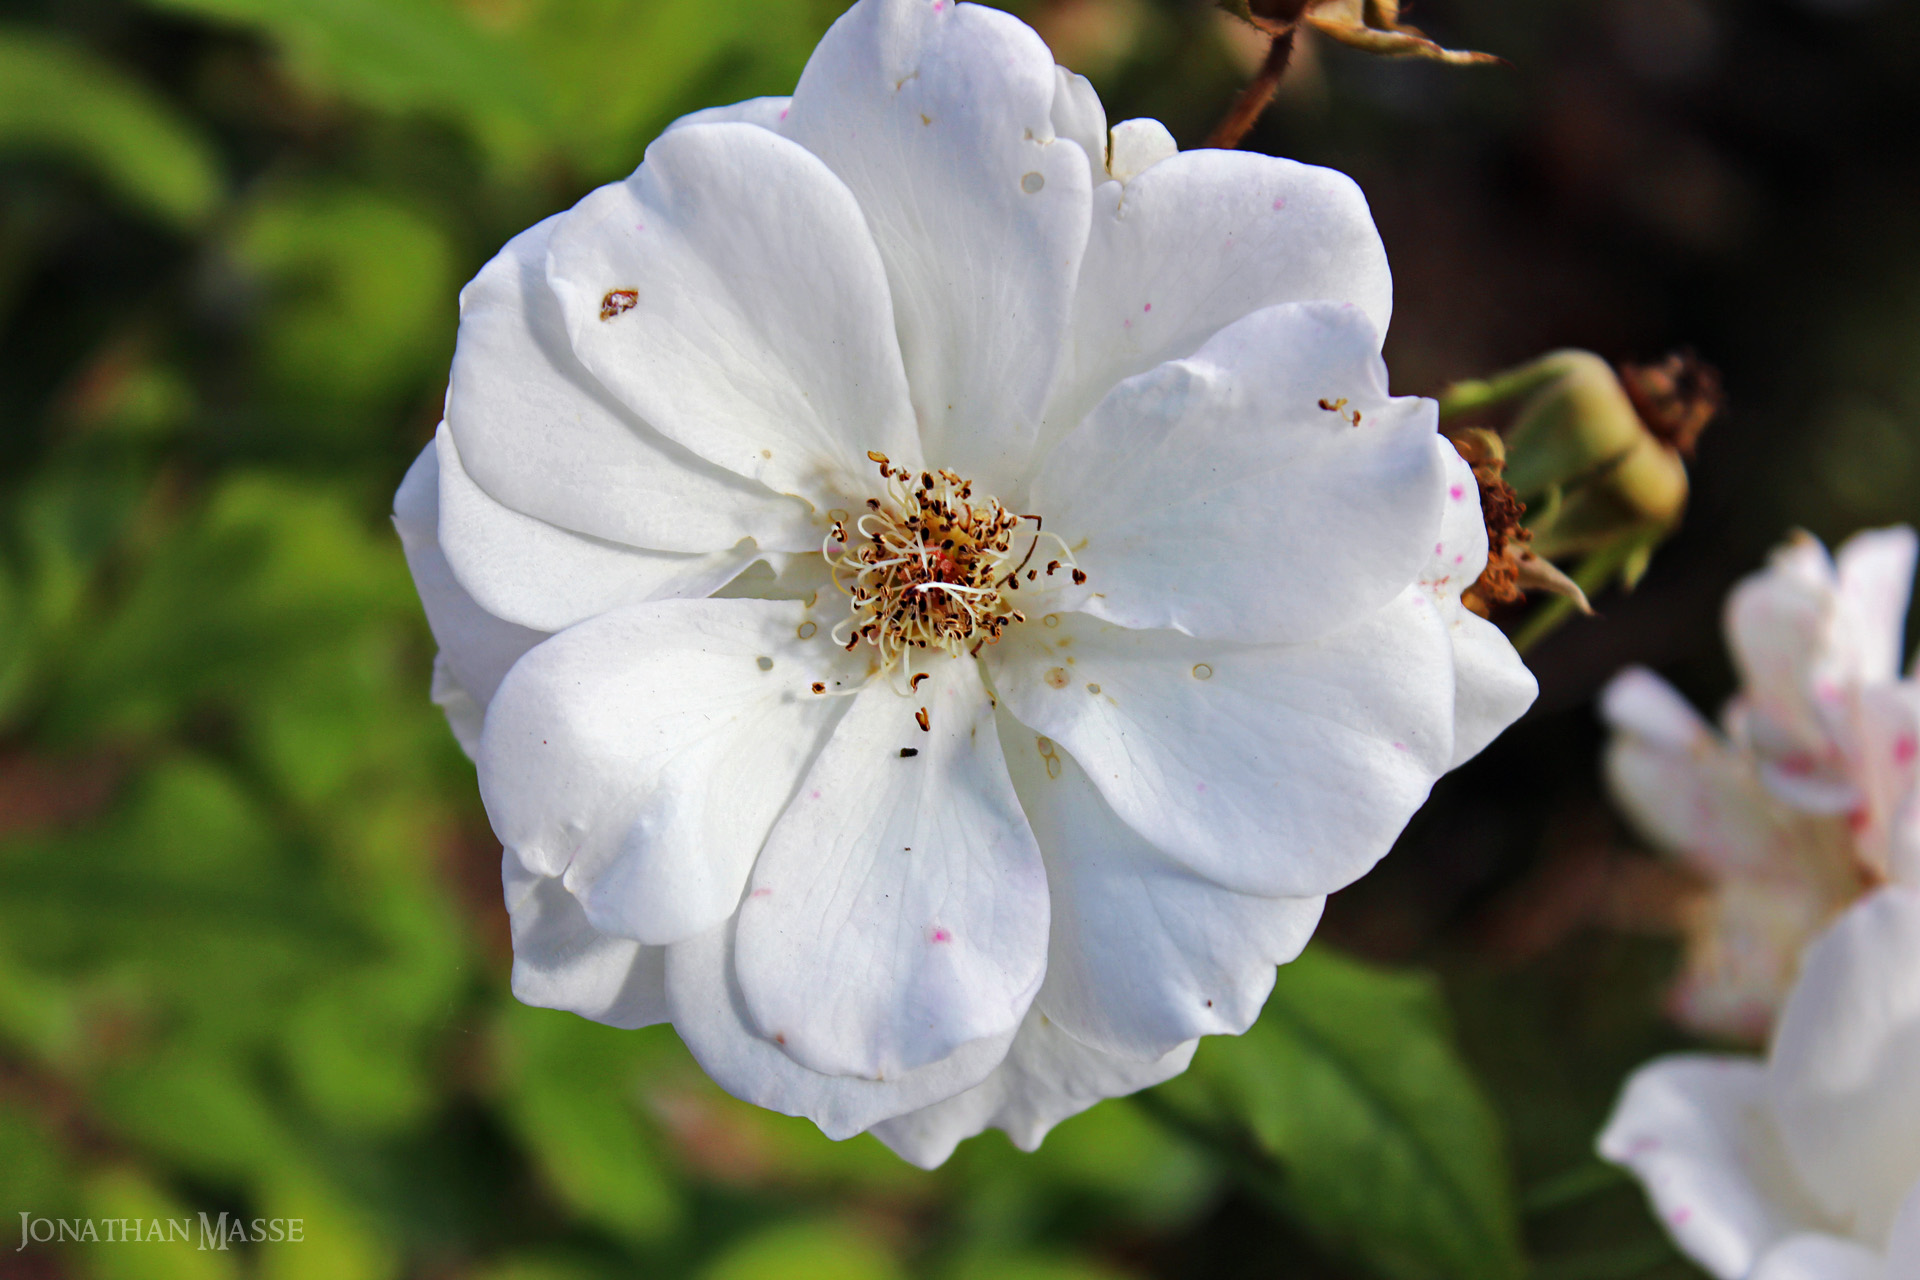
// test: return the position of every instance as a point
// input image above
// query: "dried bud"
(1372, 26)
(1676, 398)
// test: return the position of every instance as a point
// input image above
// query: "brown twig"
(1254, 98)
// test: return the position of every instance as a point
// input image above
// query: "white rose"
(1805, 1166)
(946, 605)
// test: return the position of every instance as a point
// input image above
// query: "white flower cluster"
(938, 591)
(1808, 796)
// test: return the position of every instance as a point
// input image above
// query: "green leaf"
(59, 99)
(806, 1251)
(573, 1097)
(1349, 1107)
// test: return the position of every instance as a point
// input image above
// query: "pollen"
(933, 567)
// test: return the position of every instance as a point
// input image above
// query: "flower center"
(932, 566)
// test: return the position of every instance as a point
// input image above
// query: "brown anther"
(1079, 577)
(618, 302)
(920, 718)
(914, 683)
(874, 455)
(819, 686)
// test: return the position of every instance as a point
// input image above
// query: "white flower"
(947, 599)
(1810, 796)
(1805, 1166)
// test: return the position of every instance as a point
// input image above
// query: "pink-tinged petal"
(1693, 1128)
(545, 578)
(1144, 956)
(1047, 1077)
(1204, 238)
(1691, 794)
(562, 962)
(1279, 770)
(899, 909)
(1264, 489)
(1744, 941)
(940, 118)
(1844, 1075)
(476, 648)
(710, 1013)
(540, 434)
(729, 293)
(642, 756)
(1876, 584)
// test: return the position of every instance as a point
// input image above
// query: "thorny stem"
(1253, 99)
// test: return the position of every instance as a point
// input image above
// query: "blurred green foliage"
(252, 954)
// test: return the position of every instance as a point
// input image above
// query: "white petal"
(899, 909)
(1638, 702)
(1821, 1257)
(465, 716)
(1214, 495)
(542, 436)
(1780, 625)
(768, 113)
(1047, 1077)
(1282, 770)
(1144, 956)
(476, 648)
(1844, 1075)
(710, 1014)
(1903, 1242)
(1876, 584)
(562, 962)
(1694, 1130)
(1491, 685)
(545, 578)
(1195, 243)
(940, 118)
(759, 334)
(1138, 145)
(643, 755)
(1078, 115)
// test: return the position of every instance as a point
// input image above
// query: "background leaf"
(1356, 1115)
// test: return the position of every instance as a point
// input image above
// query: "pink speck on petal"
(1681, 1216)
(762, 893)
(1279, 203)
(1641, 1145)
(1458, 491)
(1199, 786)
(1905, 748)
(1148, 307)
(783, 112)
(816, 795)
(1126, 324)
(1457, 559)
(1399, 746)
(1439, 548)
(941, 935)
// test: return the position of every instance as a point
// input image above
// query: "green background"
(252, 952)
